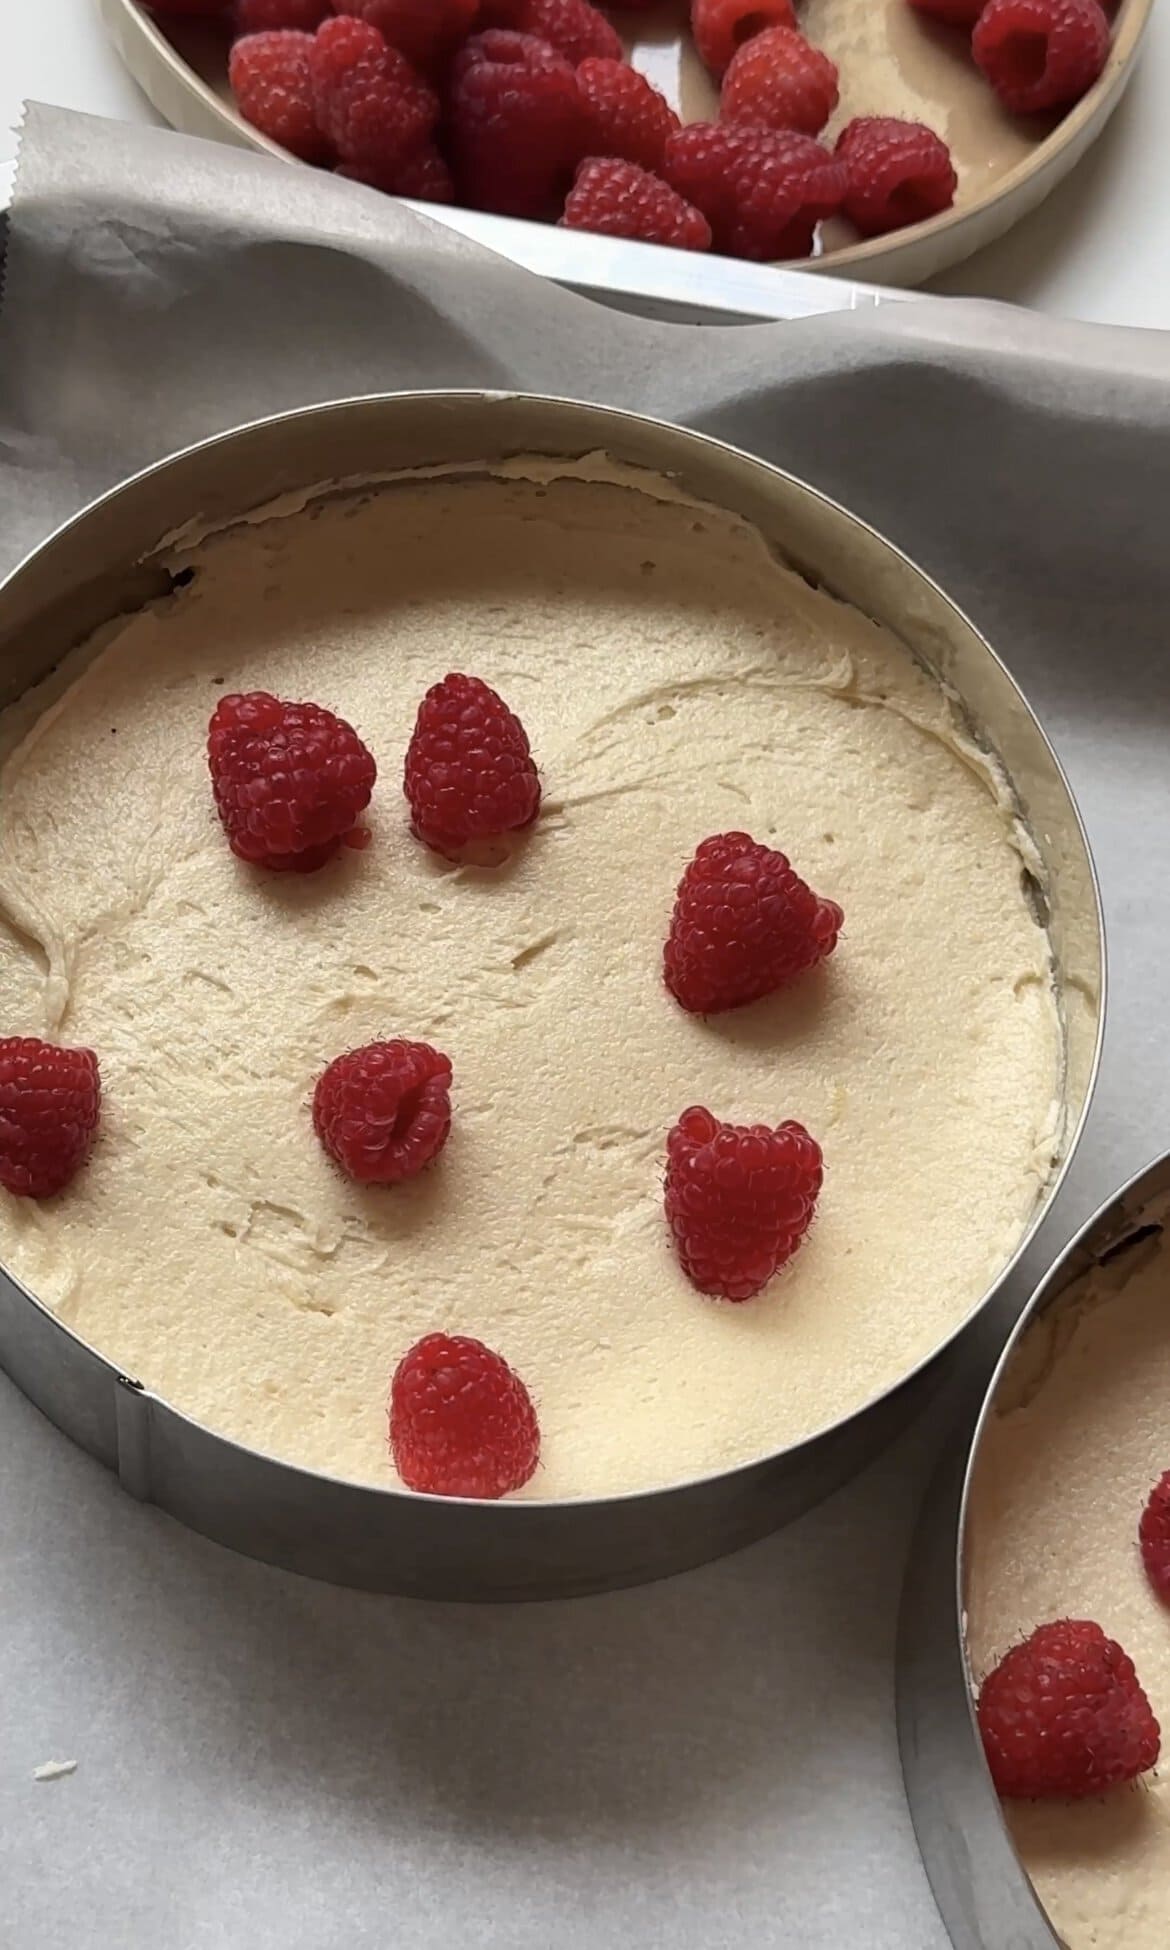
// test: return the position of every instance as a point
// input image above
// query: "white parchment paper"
(266, 1762)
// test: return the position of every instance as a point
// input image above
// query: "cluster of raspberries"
(291, 783)
(530, 108)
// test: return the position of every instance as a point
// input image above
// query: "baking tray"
(980, 1884)
(99, 566)
(1007, 165)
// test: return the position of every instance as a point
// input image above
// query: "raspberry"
(422, 174)
(574, 27)
(461, 1422)
(269, 16)
(1154, 1537)
(49, 1103)
(1063, 1715)
(763, 191)
(627, 117)
(423, 30)
(289, 781)
(617, 199)
(1040, 54)
(739, 1199)
(744, 924)
(369, 100)
(269, 75)
(469, 772)
(957, 13)
(778, 81)
(384, 1112)
(899, 173)
(201, 9)
(721, 26)
(517, 124)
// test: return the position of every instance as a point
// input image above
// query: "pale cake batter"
(1063, 1479)
(675, 682)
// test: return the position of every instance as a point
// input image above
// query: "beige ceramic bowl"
(892, 60)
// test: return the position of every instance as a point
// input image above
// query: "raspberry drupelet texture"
(383, 1112)
(1064, 1715)
(575, 28)
(1041, 54)
(271, 80)
(50, 1099)
(617, 199)
(423, 174)
(267, 16)
(1154, 1537)
(373, 106)
(517, 124)
(763, 191)
(469, 770)
(424, 30)
(626, 116)
(290, 781)
(462, 1422)
(721, 26)
(898, 173)
(744, 924)
(777, 80)
(739, 1200)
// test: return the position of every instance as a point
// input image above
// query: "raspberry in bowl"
(598, 938)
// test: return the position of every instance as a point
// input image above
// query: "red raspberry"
(778, 81)
(469, 772)
(1154, 1536)
(1040, 54)
(269, 75)
(202, 9)
(739, 1199)
(289, 781)
(270, 16)
(721, 26)
(49, 1103)
(744, 924)
(627, 116)
(369, 100)
(423, 174)
(423, 30)
(1063, 1715)
(899, 173)
(763, 191)
(384, 1112)
(517, 124)
(957, 13)
(574, 27)
(617, 199)
(461, 1422)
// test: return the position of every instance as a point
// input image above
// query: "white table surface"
(1097, 250)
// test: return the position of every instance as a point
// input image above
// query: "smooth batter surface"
(1063, 1483)
(675, 682)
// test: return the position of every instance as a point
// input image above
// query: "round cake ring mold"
(980, 1884)
(112, 558)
